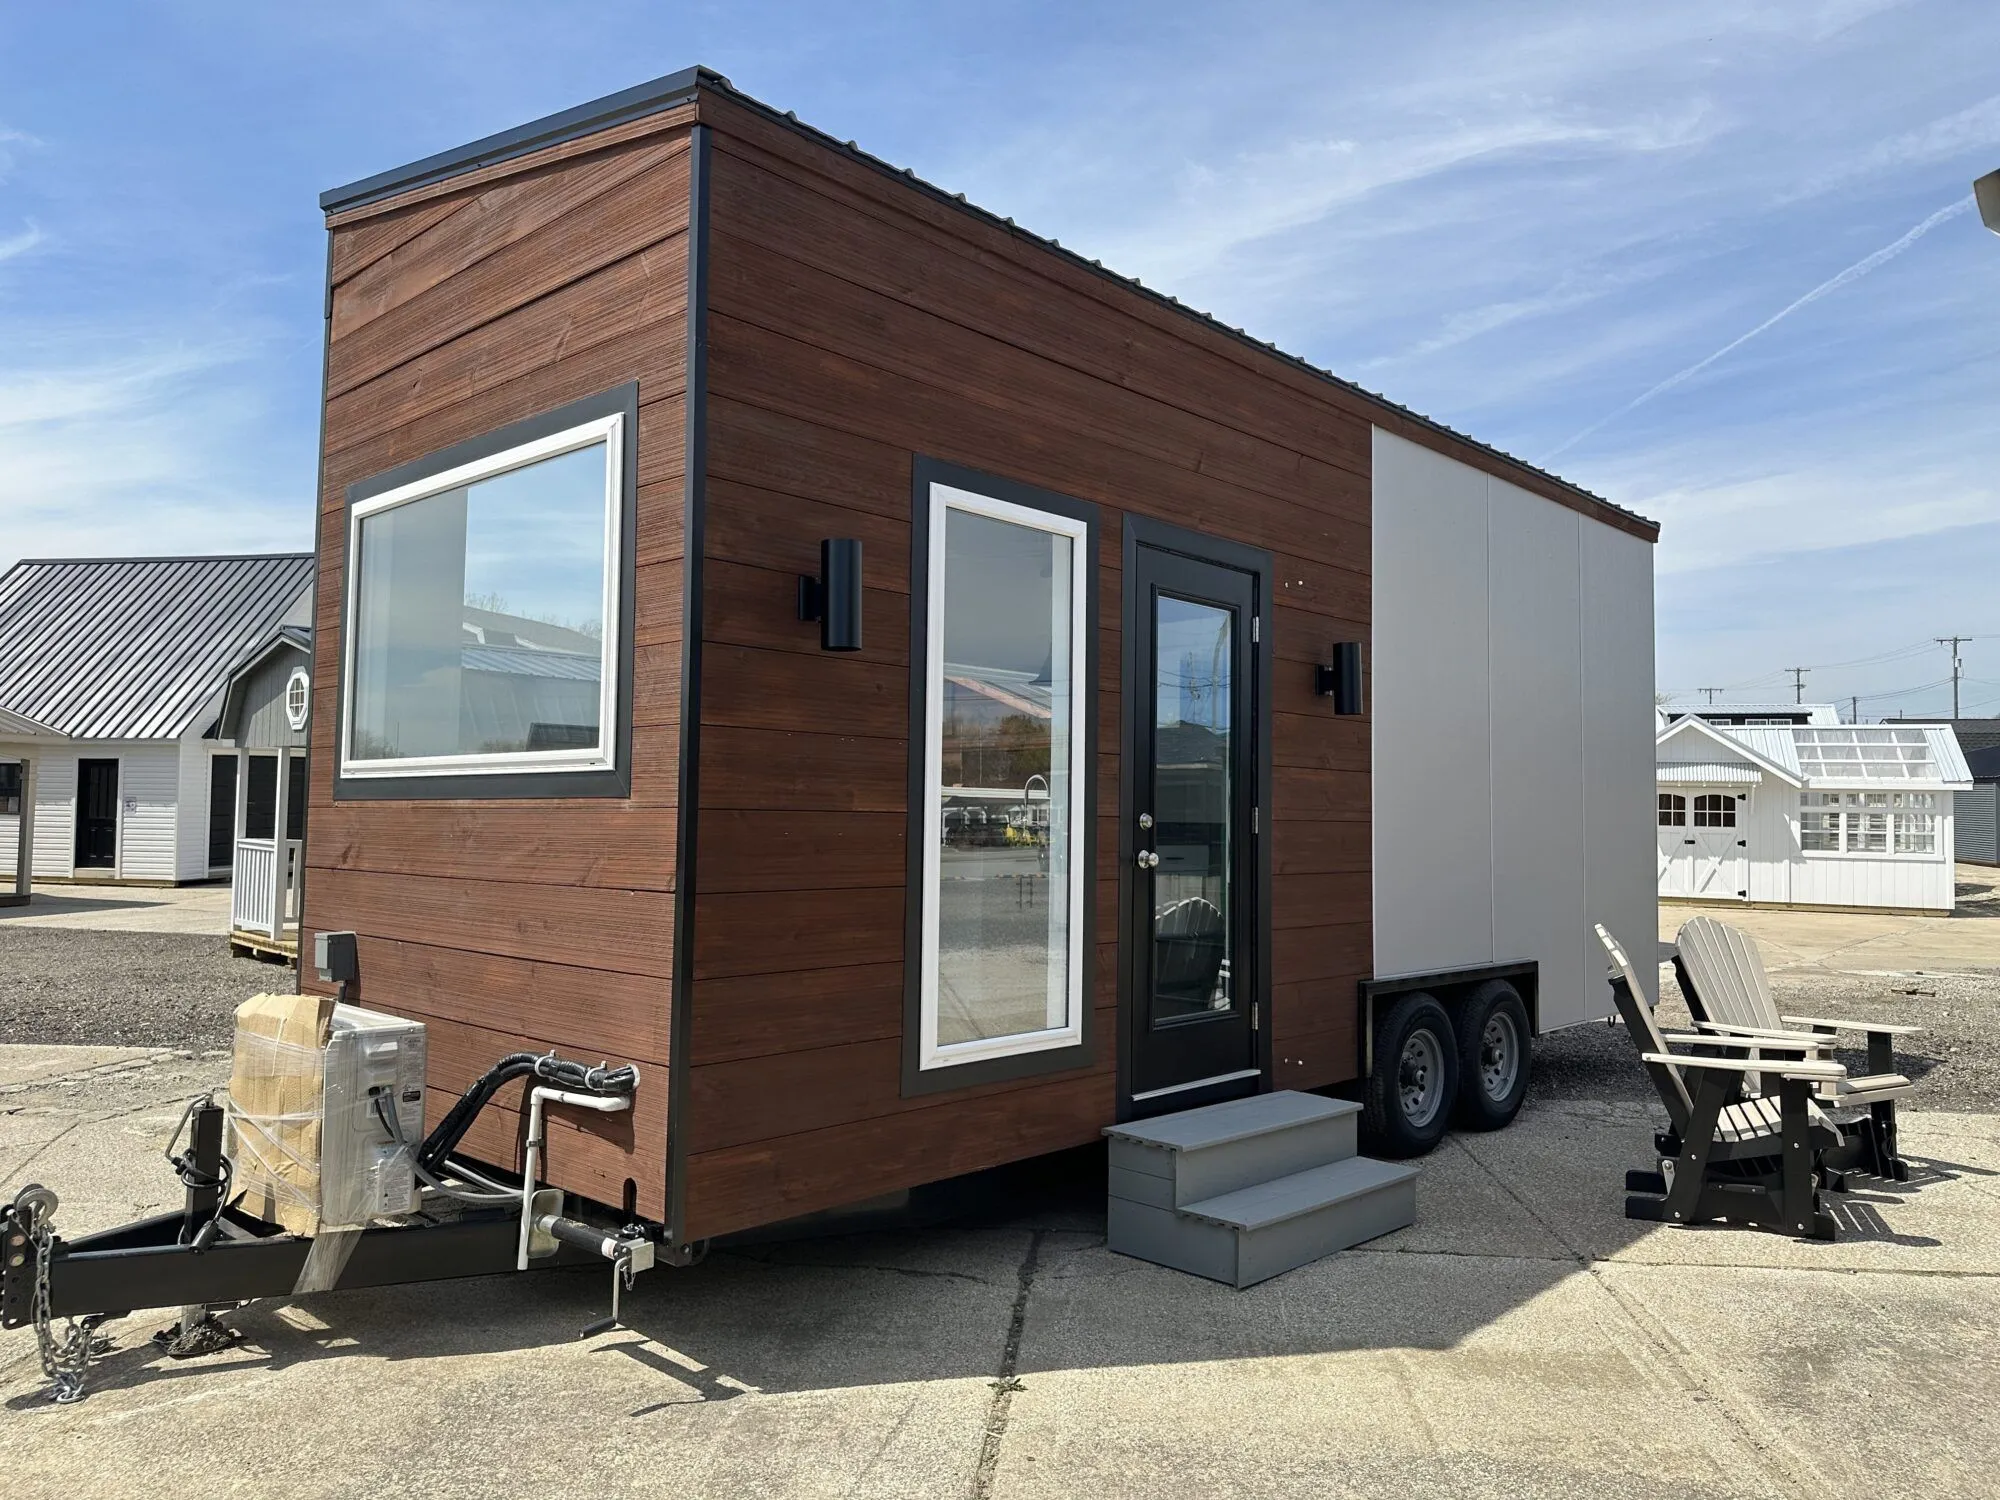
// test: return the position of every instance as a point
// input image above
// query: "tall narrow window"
(1006, 749)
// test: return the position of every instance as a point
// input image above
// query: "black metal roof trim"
(679, 88)
(551, 130)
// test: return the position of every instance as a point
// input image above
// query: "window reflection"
(1003, 779)
(478, 624)
(1192, 729)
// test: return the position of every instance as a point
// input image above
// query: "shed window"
(10, 787)
(1715, 810)
(1673, 811)
(1869, 823)
(1006, 743)
(483, 613)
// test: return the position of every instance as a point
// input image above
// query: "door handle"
(1148, 860)
(1687, 841)
(1743, 843)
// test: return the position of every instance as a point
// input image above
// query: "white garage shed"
(1855, 816)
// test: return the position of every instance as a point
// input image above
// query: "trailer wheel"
(1495, 1043)
(1406, 1100)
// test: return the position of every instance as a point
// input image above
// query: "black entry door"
(1191, 909)
(96, 814)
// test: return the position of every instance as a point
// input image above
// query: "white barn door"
(1721, 852)
(1704, 846)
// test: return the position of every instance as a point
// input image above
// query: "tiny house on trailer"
(918, 697)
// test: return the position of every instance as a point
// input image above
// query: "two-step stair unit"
(1242, 1191)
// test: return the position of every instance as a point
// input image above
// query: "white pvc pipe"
(538, 1096)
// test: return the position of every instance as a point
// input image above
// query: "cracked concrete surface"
(1520, 1339)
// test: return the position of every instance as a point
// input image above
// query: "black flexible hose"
(546, 1067)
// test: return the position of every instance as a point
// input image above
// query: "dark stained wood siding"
(853, 322)
(519, 925)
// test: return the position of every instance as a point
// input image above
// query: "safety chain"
(65, 1359)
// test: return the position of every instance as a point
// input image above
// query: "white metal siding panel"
(1618, 791)
(1513, 730)
(1432, 826)
(191, 809)
(55, 813)
(148, 799)
(1771, 825)
(1535, 650)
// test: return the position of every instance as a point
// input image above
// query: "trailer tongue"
(213, 1254)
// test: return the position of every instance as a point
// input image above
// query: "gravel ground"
(132, 989)
(1956, 1056)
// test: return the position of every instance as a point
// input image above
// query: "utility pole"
(1798, 682)
(1711, 695)
(1957, 667)
(1854, 710)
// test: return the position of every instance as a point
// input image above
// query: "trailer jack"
(209, 1256)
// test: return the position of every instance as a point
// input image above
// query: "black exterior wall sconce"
(1342, 681)
(834, 598)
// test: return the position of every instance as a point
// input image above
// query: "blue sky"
(1518, 218)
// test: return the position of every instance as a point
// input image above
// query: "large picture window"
(484, 611)
(1006, 746)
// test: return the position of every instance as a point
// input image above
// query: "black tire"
(1406, 1100)
(1495, 1048)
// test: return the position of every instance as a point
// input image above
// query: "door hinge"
(1256, 629)
(1256, 1013)
(1255, 814)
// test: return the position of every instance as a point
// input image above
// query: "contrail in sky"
(1833, 284)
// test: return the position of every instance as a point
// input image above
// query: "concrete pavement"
(1521, 1339)
(200, 909)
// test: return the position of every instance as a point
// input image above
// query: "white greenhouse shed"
(1854, 816)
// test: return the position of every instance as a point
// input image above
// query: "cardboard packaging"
(275, 1106)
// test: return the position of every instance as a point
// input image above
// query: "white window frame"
(1845, 819)
(1082, 736)
(608, 430)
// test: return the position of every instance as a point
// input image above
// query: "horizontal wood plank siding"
(852, 324)
(519, 925)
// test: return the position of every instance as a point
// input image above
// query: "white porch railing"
(256, 903)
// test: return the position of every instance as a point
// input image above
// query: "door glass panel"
(1192, 797)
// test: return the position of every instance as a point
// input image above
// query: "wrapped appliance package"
(326, 1111)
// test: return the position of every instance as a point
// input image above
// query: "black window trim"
(917, 1079)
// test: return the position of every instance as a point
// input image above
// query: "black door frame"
(117, 811)
(1133, 673)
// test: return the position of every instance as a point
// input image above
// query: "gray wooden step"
(1179, 1159)
(1253, 1233)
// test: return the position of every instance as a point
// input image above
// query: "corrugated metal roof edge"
(675, 89)
(71, 562)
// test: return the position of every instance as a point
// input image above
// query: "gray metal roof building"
(134, 648)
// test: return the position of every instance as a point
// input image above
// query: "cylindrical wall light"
(1342, 681)
(834, 598)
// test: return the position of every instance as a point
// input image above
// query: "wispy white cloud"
(1832, 284)
(14, 245)
(1942, 139)
(129, 454)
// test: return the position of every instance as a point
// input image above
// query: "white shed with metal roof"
(1816, 813)
(111, 670)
